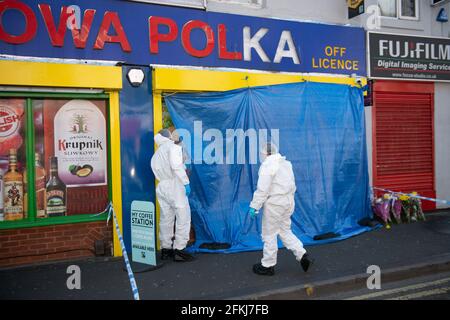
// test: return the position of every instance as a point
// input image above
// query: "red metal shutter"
(403, 118)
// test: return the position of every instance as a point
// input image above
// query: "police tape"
(414, 196)
(133, 284)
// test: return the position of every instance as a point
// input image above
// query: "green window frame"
(31, 220)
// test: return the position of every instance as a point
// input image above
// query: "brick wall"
(51, 243)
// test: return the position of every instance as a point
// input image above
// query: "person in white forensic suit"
(275, 194)
(172, 191)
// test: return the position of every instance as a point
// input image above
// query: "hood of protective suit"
(160, 140)
(271, 164)
(273, 158)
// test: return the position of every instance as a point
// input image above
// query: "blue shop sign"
(141, 33)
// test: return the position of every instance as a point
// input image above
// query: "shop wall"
(440, 29)
(336, 12)
(322, 10)
(403, 26)
(425, 26)
(137, 146)
(442, 140)
(51, 243)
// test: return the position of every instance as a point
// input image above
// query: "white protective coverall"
(275, 190)
(168, 167)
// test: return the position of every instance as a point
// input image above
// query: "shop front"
(409, 75)
(73, 111)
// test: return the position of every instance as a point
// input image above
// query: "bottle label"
(40, 197)
(55, 203)
(13, 200)
(80, 144)
(40, 183)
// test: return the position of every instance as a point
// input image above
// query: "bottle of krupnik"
(56, 192)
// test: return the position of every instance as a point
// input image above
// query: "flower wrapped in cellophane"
(381, 209)
(406, 208)
(416, 208)
(396, 209)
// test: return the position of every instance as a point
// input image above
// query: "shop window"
(409, 9)
(67, 144)
(388, 8)
(401, 9)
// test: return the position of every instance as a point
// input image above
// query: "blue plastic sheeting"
(321, 131)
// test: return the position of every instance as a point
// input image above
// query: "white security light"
(136, 77)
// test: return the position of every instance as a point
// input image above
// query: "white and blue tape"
(414, 196)
(133, 284)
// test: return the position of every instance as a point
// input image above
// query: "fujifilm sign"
(409, 57)
(419, 50)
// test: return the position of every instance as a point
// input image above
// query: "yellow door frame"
(188, 80)
(77, 76)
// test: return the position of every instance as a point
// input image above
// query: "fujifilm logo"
(419, 50)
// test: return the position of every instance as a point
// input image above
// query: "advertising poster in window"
(71, 157)
(79, 142)
(12, 159)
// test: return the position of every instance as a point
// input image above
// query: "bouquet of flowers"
(381, 209)
(396, 209)
(416, 208)
(406, 208)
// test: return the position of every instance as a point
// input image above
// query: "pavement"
(430, 287)
(402, 252)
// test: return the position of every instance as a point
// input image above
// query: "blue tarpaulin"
(320, 129)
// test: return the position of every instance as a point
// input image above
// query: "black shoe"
(182, 256)
(305, 262)
(263, 271)
(166, 254)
